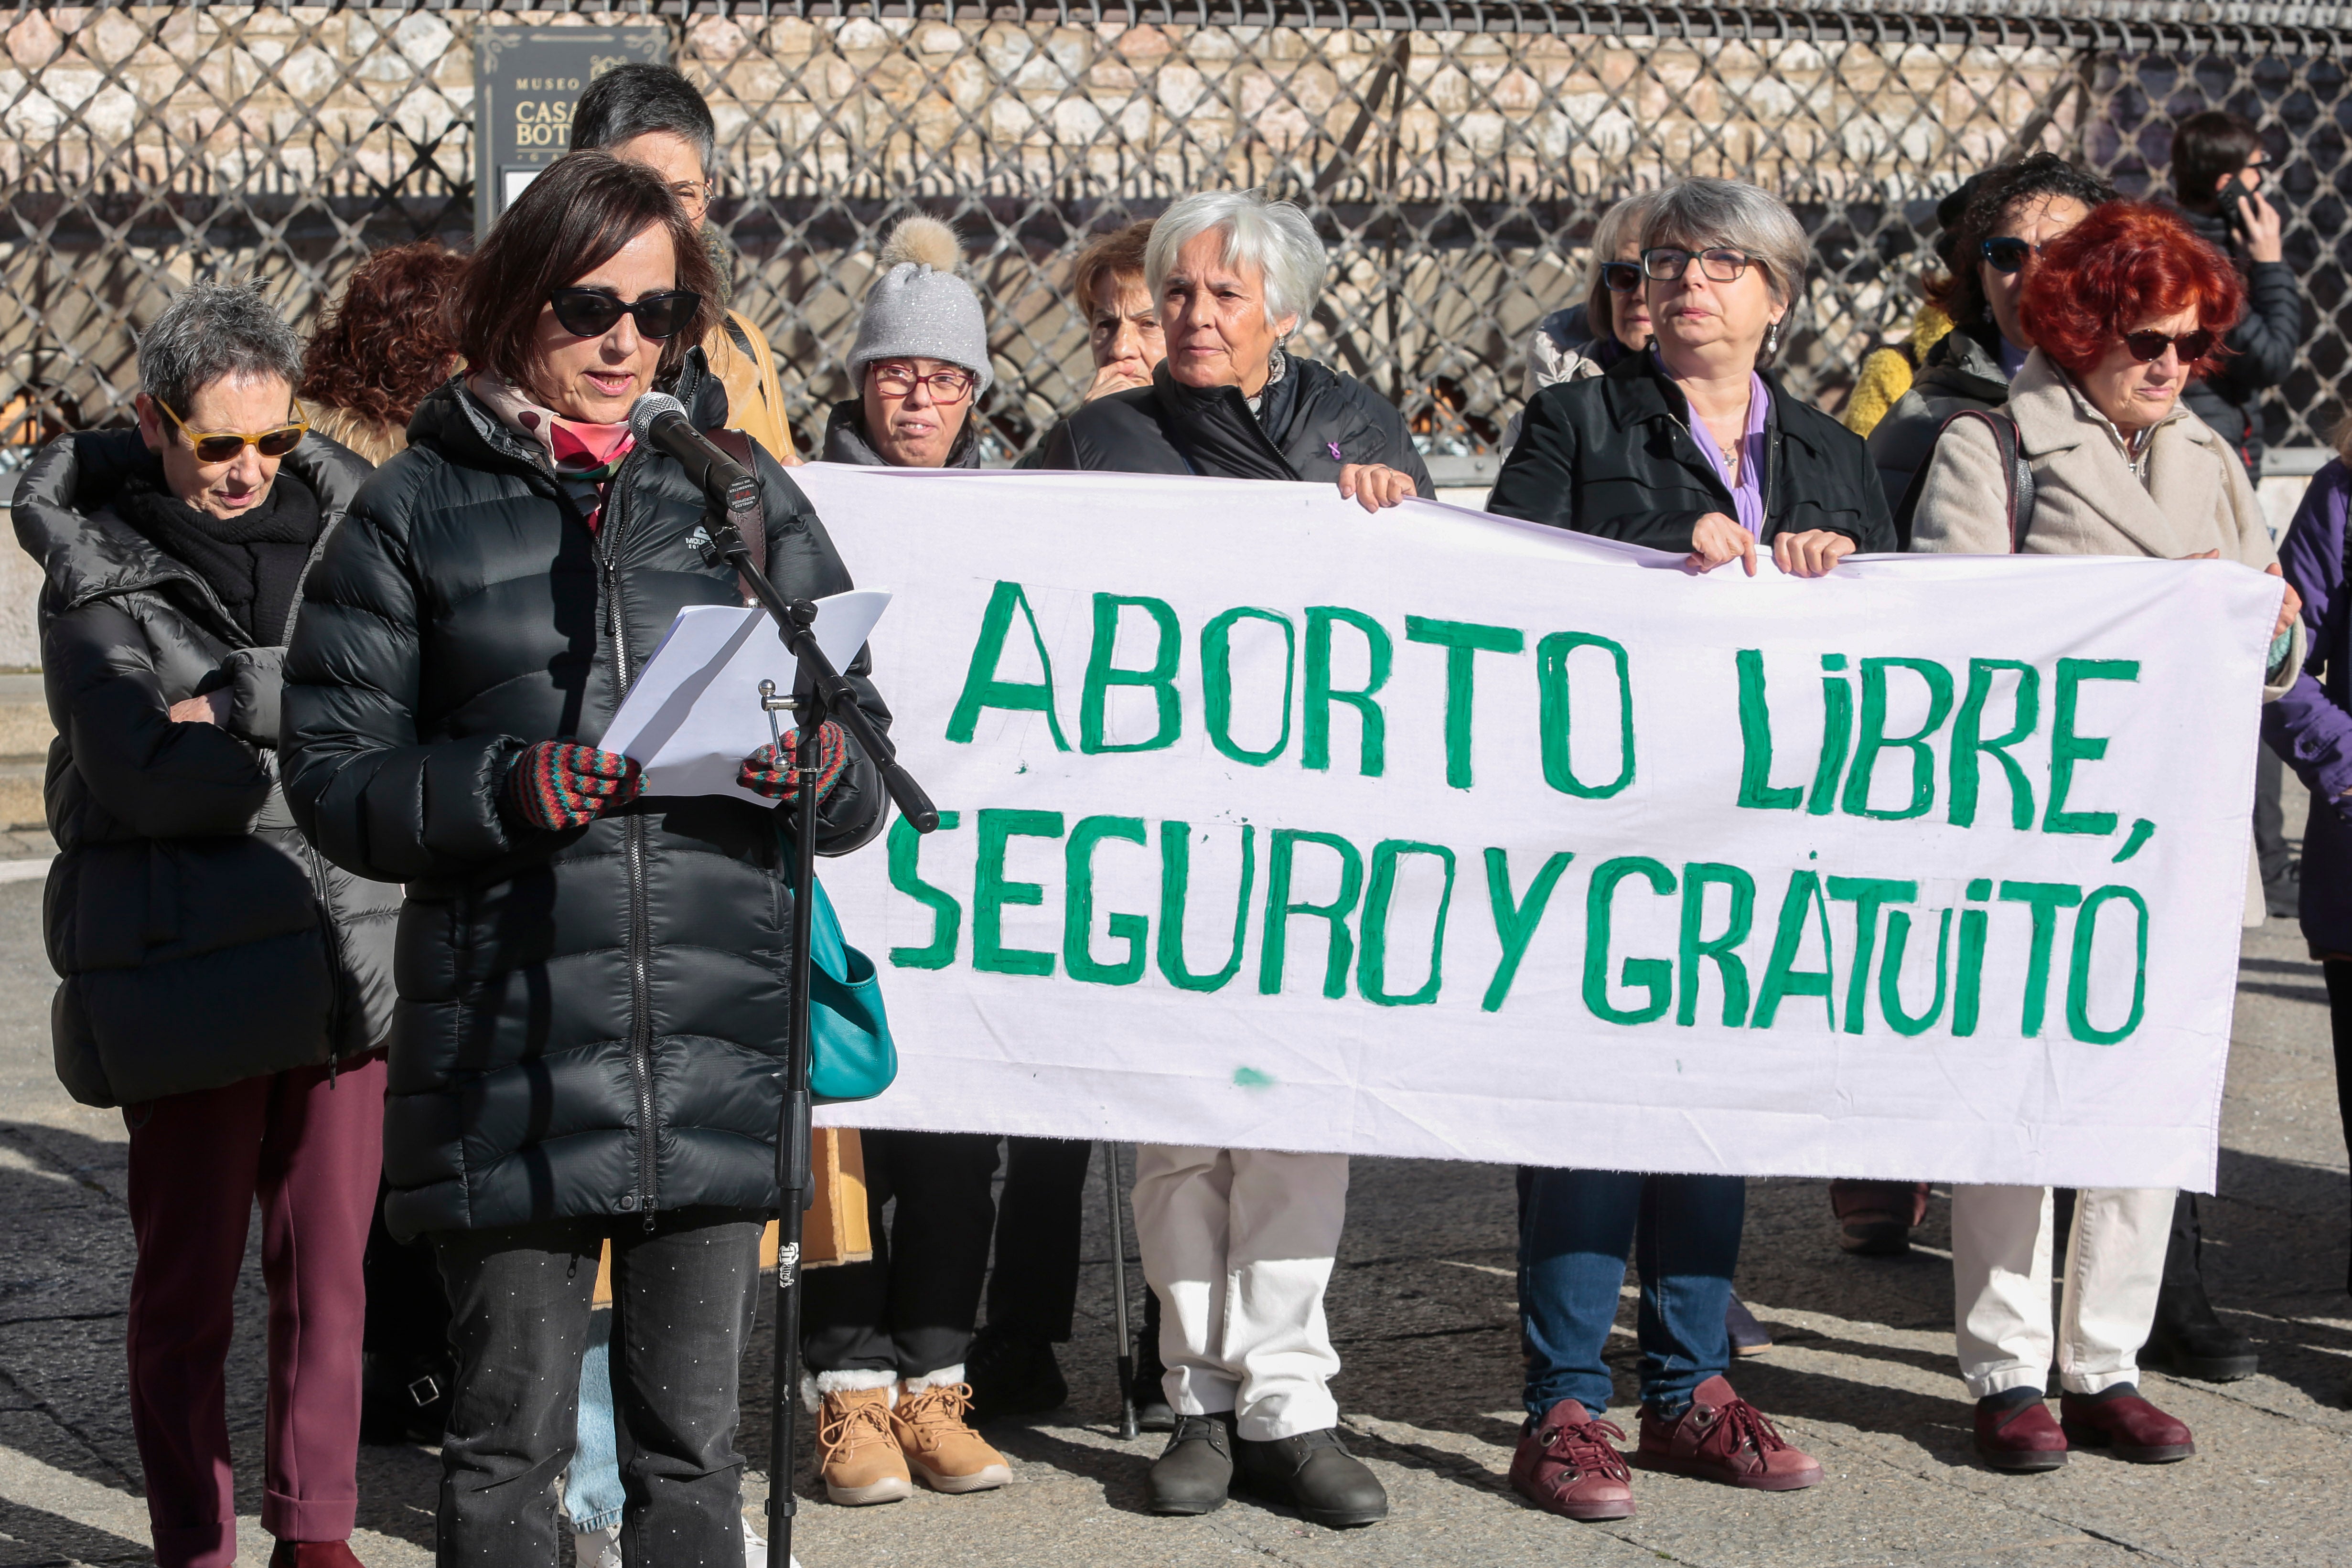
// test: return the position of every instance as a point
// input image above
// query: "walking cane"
(1127, 1427)
(819, 694)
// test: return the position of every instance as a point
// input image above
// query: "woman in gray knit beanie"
(920, 359)
(884, 1341)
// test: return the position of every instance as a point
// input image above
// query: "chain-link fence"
(1454, 156)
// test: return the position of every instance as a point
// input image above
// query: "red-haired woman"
(2126, 308)
(381, 347)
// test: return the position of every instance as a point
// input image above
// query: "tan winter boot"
(855, 1449)
(947, 1455)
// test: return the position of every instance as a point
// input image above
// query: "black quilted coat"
(201, 940)
(1308, 425)
(589, 1021)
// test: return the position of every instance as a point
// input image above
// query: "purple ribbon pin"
(1333, 447)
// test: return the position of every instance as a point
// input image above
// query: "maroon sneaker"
(1722, 1437)
(2014, 1436)
(1566, 1464)
(2126, 1426)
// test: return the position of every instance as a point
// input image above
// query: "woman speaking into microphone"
(591, 981)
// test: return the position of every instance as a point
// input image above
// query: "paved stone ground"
(1422, 1307)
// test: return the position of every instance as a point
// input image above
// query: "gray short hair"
(634, 99)
(1620, 223)
(1274, 237)
(1696, 214)
(215, 331)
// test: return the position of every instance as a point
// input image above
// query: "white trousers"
(2001, 1285)
(1238, 1245)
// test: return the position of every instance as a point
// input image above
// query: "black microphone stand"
(819, 693)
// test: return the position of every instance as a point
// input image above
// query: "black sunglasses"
(2148, 346)
(1620, 276)
(592, 312)
(2007, 253)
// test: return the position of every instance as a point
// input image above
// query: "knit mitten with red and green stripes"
(762, 774)
(557, 784)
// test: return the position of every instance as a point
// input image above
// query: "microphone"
(660, 421)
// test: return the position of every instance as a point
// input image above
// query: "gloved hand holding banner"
(1266, 823)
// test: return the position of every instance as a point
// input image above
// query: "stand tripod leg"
(1125, 1362)
(792, 1149)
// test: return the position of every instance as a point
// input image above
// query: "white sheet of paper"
(694, 713)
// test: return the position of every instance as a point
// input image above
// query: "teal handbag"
(851, 1054)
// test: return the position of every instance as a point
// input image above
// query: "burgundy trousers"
(309, 1149)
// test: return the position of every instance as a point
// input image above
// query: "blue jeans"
(1575, 1228)
(592, 1488)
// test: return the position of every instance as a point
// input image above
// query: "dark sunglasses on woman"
(1620, 276)
(592, 312)
(2006, 253)
(2148, 346)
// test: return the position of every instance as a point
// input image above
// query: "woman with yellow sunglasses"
(222, 984)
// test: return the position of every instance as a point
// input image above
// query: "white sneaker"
(755, 1547)
(597, 1548)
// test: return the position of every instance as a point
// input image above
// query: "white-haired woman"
(1234, 276)
(1238, 1243)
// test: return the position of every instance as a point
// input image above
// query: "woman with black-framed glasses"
(1688, 447)
(592, 982)
(1724, 460)
(2012, 210)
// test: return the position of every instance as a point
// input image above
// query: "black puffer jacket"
(1962, 371)
(2263, 344)
(590, 1021)
(1613, 456)
(1309, 424)
(201, 940)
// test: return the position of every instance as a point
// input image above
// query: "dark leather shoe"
(2126, 1426)
(1875, 1218)
(314, 1554)
(1314, 1473)
(1720, 1437)
(1566, 1465)
(2189, 1340)
(1193, 1472)
(2019, 1437)
(1012, 1376)
(1747, 1336)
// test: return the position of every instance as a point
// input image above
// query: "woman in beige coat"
(2126, 308)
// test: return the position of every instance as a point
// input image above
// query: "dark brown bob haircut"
(568, 222)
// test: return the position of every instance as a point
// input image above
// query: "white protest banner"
(1269, 824)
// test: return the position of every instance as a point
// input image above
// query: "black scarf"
(253, 562)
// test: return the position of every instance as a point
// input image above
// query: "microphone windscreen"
(650, 407)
